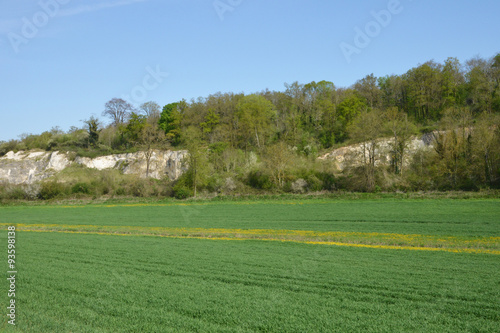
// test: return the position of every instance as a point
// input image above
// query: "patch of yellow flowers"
(374, 240)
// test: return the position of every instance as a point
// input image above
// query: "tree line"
(270, 139)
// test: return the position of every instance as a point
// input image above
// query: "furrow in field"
(374, 240)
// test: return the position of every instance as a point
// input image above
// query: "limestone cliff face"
(31, 167)
(353, 154)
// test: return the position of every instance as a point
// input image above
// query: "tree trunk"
(257, 137)
(148, 160)
(194, 176)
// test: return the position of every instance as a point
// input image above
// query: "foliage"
(180, 191)
(269, 134)
(52, 189)
(170, 121)
(83, 188)
(93, 131)
(255, 115)
(197, 160)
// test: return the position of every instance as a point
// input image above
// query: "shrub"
(260, 180)
(121, 191)
(314, 183)
(141, 188)
(52, 189)
(180, 191)
(328, 180)
(11, 145)
(15, 193)
(83, 188)
(214, 184)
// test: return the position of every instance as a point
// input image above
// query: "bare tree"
(152, 110)
(118, 110)
(151, 137)
(278, 160)
(401, 130)
(366, 128)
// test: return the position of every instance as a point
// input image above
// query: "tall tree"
(495, 73)
(392, 91)
(368, 88)
(134, 127)
(278, 159)
(197, 159)
(348, 109)
(151, 136)
(367, 128)
(211, 122)
(453, 148)
(452, 81)
(170, 121)
(93, 125)
(151, 110)
(117, 110)
(480, 87)
(423, 91)
(401, 130)
(255, 118)
(486, 150)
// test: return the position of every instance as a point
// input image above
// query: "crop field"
(312, 265)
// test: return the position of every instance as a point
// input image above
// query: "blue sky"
(79, 54)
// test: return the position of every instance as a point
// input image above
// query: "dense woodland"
(269, 141)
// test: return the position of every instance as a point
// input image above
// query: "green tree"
(134, 127)
(423, 97)
(452, 81)
(486, 150)
(93, 125)
(495, 73)
(255, 119)
(170, 122)
(480, 86)
(212, 120)
(453, 148)
(368, 88)
(197, 159)
(392, 91)
(317, 100)
(348, 109)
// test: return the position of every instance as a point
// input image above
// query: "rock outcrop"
(32, 167)
(354, 153)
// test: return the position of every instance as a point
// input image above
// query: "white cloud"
(96, 7)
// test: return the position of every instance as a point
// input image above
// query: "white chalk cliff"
(31, 167)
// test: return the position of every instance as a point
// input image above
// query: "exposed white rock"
(31, 167)
(58, 162)
(350, 154)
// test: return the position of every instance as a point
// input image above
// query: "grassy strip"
(340, 195)
(363, 239)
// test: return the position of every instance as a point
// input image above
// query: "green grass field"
(167, 268)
